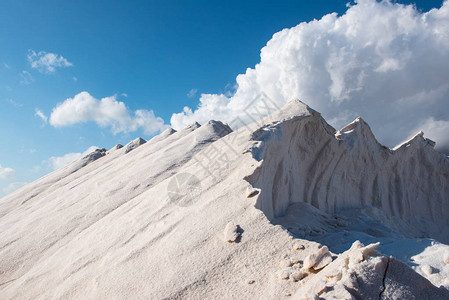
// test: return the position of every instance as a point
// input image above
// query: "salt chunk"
(314, 258)
(285, 264)
(284, 274)
(297, 275)
(294, 261)
(426, 269)
(231, 232)
(324, 261)
(310, 261)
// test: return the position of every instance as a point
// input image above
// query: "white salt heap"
(259, 213)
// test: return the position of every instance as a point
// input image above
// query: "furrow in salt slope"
(303, 161)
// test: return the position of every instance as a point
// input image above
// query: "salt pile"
(267, 211)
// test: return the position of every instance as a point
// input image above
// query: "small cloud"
(106, 112)
(26, 77)
(6, 173)
(125, 95)
(6, 66)
(46, 62)
(41, 115)
(13, 186)
(75, 79)
(192, 93)
(31, 151)
(36, 169)
(13, 103)
(57, 162)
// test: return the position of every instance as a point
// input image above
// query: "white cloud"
(26, 77)
(46, 62)
(75, 79)
(13, 186)
(14, 103)
(107, 112)
(387, 62)
(57, 162)
(192, 93)
(36, 169)
(7, 173)
(41, 115)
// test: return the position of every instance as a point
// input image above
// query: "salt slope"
(332, 171)
(109, 163)
(110, 230)
(80, 197)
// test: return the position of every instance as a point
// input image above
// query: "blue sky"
(155, 56)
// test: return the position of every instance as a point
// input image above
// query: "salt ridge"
(110, 229)
(332, 171)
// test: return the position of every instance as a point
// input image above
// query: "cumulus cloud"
(107, 112)
(6, 173)
(57, 162)
(46, 62)
(41, 115)
(386, 62)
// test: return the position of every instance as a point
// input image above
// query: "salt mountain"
(258, 213)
